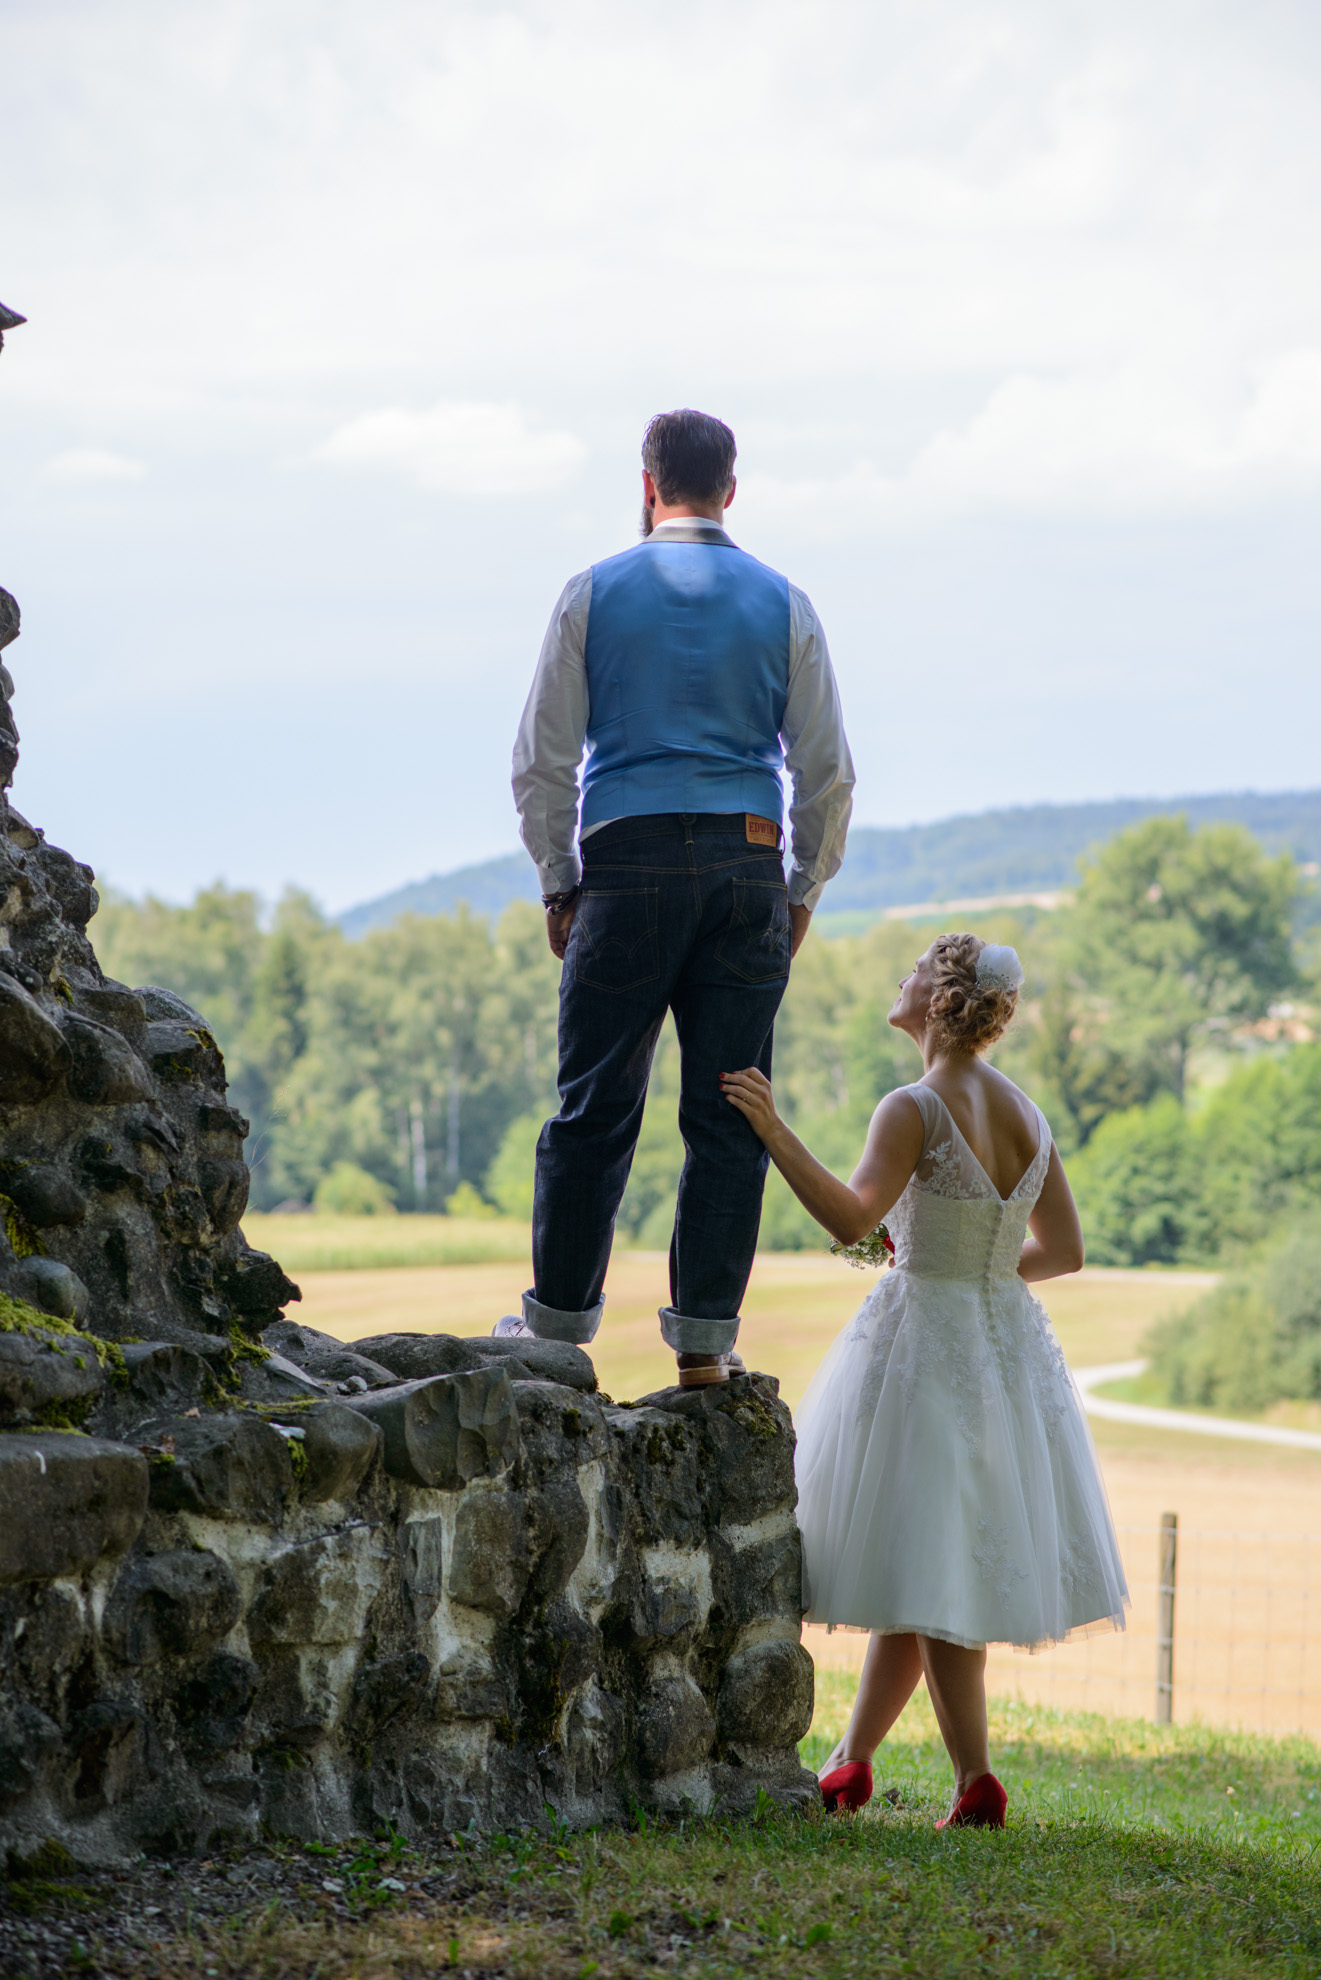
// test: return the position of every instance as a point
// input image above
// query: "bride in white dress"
(948, 1489)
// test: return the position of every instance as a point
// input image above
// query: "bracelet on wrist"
(556, 903)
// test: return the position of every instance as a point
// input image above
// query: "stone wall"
(251, 1576)
(471, 1595)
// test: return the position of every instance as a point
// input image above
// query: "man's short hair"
(690, 456)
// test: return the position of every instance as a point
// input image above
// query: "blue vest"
(687, 677)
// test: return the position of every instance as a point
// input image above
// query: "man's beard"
(647, 524)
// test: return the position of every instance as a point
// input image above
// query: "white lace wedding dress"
(947, 1480)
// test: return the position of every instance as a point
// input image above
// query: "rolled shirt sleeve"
(816, 755)
(549, 745)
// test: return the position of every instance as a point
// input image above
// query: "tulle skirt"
(947, 1478)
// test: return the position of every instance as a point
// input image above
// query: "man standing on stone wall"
(693, 674)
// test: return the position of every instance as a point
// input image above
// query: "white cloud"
(1284, 421)
(1103, 220)
(1140, 438)
(460, 447)
(93, 464)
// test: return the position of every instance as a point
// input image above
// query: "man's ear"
(733, 489)
(648, 489)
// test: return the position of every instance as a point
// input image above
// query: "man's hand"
(558, 927)
(798, 920)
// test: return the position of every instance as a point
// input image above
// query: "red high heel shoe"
(848, 1787)
(981, 1806)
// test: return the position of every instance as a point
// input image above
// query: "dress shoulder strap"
(931, 1109)
(1047, 1138)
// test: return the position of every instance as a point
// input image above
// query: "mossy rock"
(17, 1317)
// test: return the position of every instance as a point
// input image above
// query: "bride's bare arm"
(1055, 1244)
(847, 1210)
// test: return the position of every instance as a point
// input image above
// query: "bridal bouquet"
(877, 1248)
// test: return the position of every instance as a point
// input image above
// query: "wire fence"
(1224, 1627)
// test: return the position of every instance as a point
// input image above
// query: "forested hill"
(1038, 846)
(487, 889)
(1029, 849)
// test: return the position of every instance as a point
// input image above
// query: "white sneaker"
(512, 1328)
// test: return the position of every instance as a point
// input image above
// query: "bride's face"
(909, 1010)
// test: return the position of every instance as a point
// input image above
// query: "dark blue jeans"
(677, 913)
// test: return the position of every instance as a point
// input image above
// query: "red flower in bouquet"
(877, 1248)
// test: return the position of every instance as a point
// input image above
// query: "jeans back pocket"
(614, 938)
(756, 942)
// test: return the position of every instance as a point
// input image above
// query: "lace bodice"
(951, 1222)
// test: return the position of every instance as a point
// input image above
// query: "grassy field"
(1130, 1852)
(313, 1243)
(1126, 1771)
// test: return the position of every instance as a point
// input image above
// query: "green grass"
(315, 1243)
(1124, 1856)
(1130, 1773)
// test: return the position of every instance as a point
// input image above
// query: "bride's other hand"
(751, 1092)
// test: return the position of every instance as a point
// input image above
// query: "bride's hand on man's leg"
(750, 1091)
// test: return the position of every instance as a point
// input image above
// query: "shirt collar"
(687, 522)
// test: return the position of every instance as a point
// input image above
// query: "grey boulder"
(547, 1361)
(65, 1503)
(325, 1358)
(179, 1603)
(675, 1728)
(340, 1446)
(29, 1741)
(107, 1072)
(52, 1288)
(232, 1467)
(447, 1431)
(39, 1369)
(766, 1696)
(413, 1356)
(33, 1053)
(44, 1194)
(163, 1372)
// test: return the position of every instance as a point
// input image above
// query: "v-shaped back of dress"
(951, 1222)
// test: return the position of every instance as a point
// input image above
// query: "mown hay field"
(420, 1273)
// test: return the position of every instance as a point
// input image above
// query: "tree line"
(1159, 1030)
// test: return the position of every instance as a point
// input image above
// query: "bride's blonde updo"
(968, 1010)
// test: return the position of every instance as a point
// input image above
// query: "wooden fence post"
(1169, 1560)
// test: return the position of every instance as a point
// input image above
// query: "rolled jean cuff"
(687, 1336)
(548, 1324)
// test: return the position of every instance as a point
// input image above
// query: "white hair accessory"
(998, 967)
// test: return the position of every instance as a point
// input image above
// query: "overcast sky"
(345, 322)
